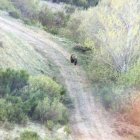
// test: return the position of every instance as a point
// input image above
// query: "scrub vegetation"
(105, 37)
(24, 97)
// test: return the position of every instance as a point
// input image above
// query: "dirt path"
(87, 120)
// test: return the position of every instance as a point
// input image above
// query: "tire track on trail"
(87, 120)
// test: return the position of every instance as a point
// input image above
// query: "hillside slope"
(87, 119)
(17, 53)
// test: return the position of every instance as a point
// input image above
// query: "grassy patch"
(29, 135)
(18, 54)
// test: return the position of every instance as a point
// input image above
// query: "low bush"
(12, 81)
(131, 78)
(46, 86)
(32, 14)
(42, 98)
(8, 126)
(15, 14)
(72, 30)
(67, 129)
(12, 112)
(28, 9)
(3, 112)
(29, 135)
(51, 110)
(38, 98)
(52, 21)
(15, 114)
(6, 5)
(50, 125)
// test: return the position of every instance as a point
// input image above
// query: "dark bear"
(73, 59)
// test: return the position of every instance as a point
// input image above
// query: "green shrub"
(8, 126)
(107, 96)
(46, 86)
(14, 14)
(101, 73)
(11, 80)
(52, 21)
(89, 44)
(69, 9)
(42, 97)
(29, 135)
(131, 78)
(54, 31)
(42, 110)
(38, 98)
(28, 9)
(51, 110)
(46, 17)
(72, 30)
(12, 112)
(50, 125)
(67, 130)
(3, 111)
(6, 5)
(27, 21)
(15, 114)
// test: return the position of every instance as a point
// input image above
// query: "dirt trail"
(87, 120)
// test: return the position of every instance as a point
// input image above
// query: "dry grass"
(134, 115)
(128, 123)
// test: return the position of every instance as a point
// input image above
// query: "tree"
(118, 33)
(114, 27)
